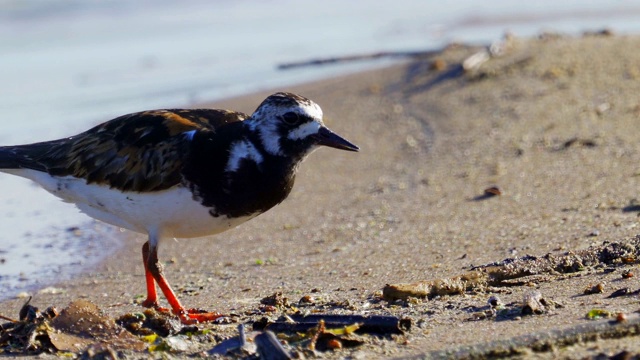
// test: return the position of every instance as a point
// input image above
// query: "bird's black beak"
(327, 137)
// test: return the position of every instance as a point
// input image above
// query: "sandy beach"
(551, 122)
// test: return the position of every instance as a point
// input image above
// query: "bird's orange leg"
(153, 274)
(152, 295)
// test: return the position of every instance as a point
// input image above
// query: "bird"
(179, 173)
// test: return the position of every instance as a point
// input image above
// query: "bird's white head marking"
(285, 123)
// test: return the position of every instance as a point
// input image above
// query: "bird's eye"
(291, 118)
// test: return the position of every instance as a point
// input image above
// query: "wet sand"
(552, 123)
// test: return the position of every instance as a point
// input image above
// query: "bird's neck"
(251, 183)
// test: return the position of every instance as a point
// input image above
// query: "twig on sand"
(497, 48)
(375, 324)
(349, 58)
(8, 319)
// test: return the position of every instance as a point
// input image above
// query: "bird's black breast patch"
(252, 188)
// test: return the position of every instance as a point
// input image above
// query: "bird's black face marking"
(291, 118)
(298, 141)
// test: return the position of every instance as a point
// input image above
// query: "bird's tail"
(24, 156)
(9, 158)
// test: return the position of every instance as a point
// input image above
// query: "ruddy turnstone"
(179, 173)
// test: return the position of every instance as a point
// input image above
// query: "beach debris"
(495, 302)
(276, 299)
(496, 49)
(235, 345)
(270, 348)
(488, 193)
(313, 333)
(29, 312)
(6, 318)
(519, 271)
(75, 329)
(595, 314)
(595, 289)
(325, 340)
(430, 289)
(506, 272)
(27, 335)
(306, 300)
(167, 344)
(493, 191)
(337, 324)
(151, 322)
(621, 317)
(574, 141)
(533, 303)
(482, 315)
(473, 62)
(627, 274)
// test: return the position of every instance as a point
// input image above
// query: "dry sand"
(553, 123)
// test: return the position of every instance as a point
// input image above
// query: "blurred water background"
(67, 65)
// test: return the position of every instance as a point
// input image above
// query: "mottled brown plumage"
(139, 152)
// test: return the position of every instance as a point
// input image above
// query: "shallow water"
(70, 64)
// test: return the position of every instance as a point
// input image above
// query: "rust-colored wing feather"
(139, 152)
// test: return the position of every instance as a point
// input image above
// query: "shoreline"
(551, 123)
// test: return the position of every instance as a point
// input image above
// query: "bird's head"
(291, 125)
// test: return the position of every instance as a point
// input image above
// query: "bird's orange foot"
(194, 316)
(187, 316)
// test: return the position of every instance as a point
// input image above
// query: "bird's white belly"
(168, 213)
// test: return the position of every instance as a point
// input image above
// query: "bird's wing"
(138, 152)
